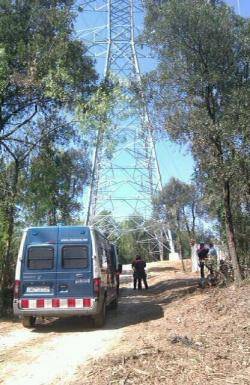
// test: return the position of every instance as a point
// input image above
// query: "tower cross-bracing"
(125, 179)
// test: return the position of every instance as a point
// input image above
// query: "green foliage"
(98, 116)
(201, 90)
(52, 186)
(133, 241)
(43, 64)
(44, 74)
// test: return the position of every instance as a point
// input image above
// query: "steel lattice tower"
(127, 181)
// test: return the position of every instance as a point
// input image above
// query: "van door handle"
(79, 275)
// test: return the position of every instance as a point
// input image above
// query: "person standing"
(139, 273)
(212, 251)
(135, 277)
(202, 255)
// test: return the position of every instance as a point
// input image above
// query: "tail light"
(97, 285)
(17, 287)
(25, 303)
(40, 302)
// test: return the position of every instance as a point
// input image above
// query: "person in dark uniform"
(202, 255)
(135, 276)
(139, 273)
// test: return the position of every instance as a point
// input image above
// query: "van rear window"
(74, 257)
(40, 257)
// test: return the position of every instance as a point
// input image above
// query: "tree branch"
(3, 137)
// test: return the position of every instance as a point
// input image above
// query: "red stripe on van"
(55, 302)
(86, 302)
(71, 302)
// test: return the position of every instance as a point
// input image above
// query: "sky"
(241, 6)
(175, 161)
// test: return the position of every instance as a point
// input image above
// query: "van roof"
(57, 234)
(58, 226)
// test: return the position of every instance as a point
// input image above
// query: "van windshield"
(40, 257)
(74, 257)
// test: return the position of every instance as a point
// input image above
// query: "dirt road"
(68, 351)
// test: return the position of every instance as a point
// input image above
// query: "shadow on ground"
(172, 284)
(128, 313)
(158, 269)
(134, 307)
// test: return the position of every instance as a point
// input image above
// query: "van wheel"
(28, 321)
(114, 304)
(100, 318)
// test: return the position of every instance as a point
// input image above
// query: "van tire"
(28, 321)
(100, 318)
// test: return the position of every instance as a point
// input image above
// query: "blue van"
(64, 271)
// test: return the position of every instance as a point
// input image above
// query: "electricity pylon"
(125, 182)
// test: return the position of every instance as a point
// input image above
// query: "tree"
(178, 205)
(43, 66)
(202, 91)
(53, 186)
(133, 241)
(44, 72)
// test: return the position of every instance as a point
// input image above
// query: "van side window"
(40, 257)
(74, 257)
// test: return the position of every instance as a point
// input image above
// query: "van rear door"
(39, 263)
(74, 268)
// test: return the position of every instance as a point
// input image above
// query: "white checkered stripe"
(56, 303)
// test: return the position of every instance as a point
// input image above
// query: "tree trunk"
(230, 232)
(52, 214)
(7, 278)
(186, 223)
(193, 219)
(194, 258)
(7, 273)
(180, 250)
(179, 241)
